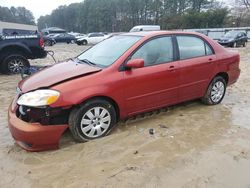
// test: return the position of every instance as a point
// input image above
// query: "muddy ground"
(193, 146)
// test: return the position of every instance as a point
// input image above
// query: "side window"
(239, 35)
(209, 51)
(191, 47)
(99, 35)
(156, 51)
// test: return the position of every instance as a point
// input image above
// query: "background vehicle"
(145, 28)
(15, 51)
(91, 38)
(233, 39)
(52, 30)
(64, 37)
(77, 35)
(49, 40)
(120, 77)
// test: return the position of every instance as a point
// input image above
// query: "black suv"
(233, 39)
(16, 49)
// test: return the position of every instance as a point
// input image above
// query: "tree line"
(17, 15)
(122, 15)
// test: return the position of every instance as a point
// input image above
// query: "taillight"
(41, 42)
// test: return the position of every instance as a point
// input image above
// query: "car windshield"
(107, 52)
(231, 34)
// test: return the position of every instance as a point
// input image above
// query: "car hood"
(56, 74)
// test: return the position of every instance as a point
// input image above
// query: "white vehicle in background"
(91, 38)
(77, 35)
(145, 28)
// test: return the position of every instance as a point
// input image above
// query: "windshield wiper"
(87, 62)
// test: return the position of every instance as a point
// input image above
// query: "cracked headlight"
(39, 98)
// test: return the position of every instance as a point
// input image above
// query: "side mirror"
(135, 64)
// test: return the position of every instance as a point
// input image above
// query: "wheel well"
(117, 110)
(14, 49)
(223, 75)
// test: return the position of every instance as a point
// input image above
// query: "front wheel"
(92, 120)
(85, 42)
(215, 92)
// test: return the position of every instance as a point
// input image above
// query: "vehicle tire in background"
(48, 43)
(79, 43)
(244, 44)
(92, 120)
(215, 92)
(85, 42)
(14, 63)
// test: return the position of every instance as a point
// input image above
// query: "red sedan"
(122, 76)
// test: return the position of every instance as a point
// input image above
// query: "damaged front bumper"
(34, 136)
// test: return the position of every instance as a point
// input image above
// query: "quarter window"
(191, 47)
(156, 51)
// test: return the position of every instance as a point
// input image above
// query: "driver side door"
(156, 84)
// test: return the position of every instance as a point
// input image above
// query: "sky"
(37, 7)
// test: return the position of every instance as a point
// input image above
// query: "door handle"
(172, 68)
(210, 60)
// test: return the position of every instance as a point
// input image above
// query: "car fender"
(19, 46)
(74, 98)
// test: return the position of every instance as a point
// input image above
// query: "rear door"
(197, 64)
(156, 84)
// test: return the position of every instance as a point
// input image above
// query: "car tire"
(79, 43)
(215, 92)
(14, 63)
(48, 43)
(85, 42)
(244, 44)
(92, 120)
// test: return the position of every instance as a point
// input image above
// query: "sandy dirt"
(193, 146)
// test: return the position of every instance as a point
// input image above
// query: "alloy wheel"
(95, 122)
(218, 91)
(15, 66)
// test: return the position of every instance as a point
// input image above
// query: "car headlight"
(39, 98)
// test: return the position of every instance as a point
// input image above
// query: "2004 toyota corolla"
(117, 78)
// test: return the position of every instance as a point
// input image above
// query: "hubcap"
(95, 122)
(15, 66)
(218, 90)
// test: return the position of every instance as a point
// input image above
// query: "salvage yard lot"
(193, 146)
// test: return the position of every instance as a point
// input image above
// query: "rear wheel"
(13, 64)
(244, 44)
(92, 120)
(215, 92)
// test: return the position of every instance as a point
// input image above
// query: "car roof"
(162, 32)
